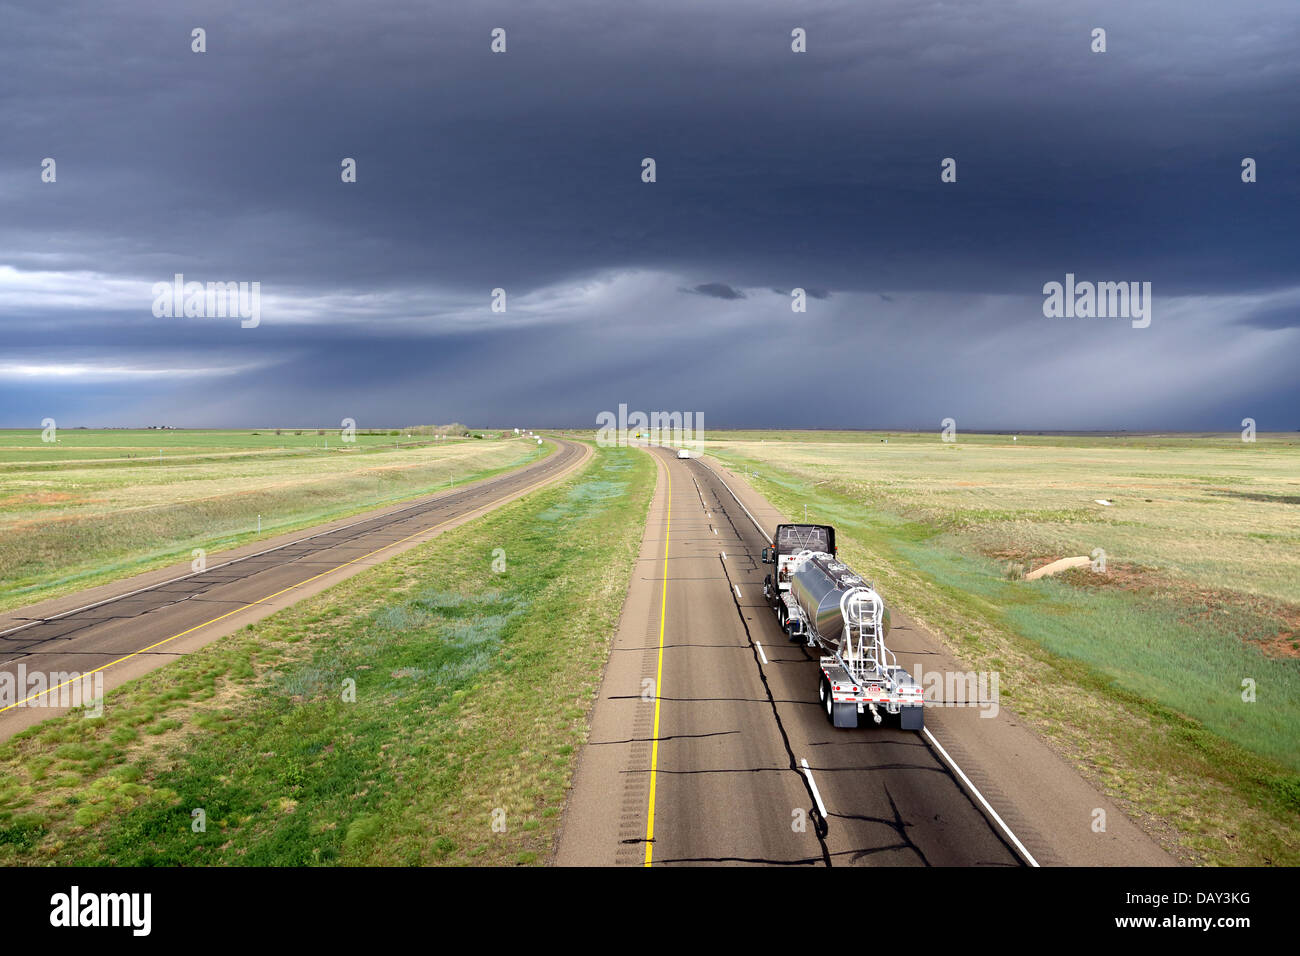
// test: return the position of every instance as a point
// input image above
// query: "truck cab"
(790, 539)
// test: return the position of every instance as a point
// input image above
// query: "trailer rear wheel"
(838, 715)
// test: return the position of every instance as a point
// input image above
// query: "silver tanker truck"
(819, 599)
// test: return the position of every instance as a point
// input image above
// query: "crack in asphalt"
(646, 740)
(879, 766)
(897, 824)
(820, 824)
(706, 700)
(723, 770)
(996, 831)
(761, 860)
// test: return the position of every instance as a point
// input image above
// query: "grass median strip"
(425, 711)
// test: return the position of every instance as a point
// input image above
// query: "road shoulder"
(604, 807)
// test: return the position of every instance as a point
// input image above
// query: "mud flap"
(845, 715)
(912, 718)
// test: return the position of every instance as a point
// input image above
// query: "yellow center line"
(262, 600)
(659, 674)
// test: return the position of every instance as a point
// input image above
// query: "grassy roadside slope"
(472, 686)
(1142, 693)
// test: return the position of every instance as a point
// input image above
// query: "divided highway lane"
(135, 630)
(889, 799)
(744, 767)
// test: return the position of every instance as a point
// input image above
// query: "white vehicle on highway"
(683, 453)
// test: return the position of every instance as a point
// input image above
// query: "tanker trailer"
(844, 617)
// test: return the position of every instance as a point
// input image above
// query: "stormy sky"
(775, 170)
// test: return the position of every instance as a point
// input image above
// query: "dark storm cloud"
(522, 171)
(718, 290)
(811, 293)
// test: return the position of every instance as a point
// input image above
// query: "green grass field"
(103, 504)
(1136, 673)
(472, 686)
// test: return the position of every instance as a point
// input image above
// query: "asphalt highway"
(708, 744)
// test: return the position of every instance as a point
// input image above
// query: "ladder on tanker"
(864, 639)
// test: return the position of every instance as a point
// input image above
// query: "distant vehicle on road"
(683, 453)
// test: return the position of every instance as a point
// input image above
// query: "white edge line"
(1029, 857)
(739, 502)
(813, 785)
(226, 564)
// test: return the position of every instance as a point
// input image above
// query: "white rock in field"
(1064, 564)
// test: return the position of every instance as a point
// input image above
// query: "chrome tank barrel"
(819, 583)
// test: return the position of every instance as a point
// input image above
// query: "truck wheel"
(839, 715)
